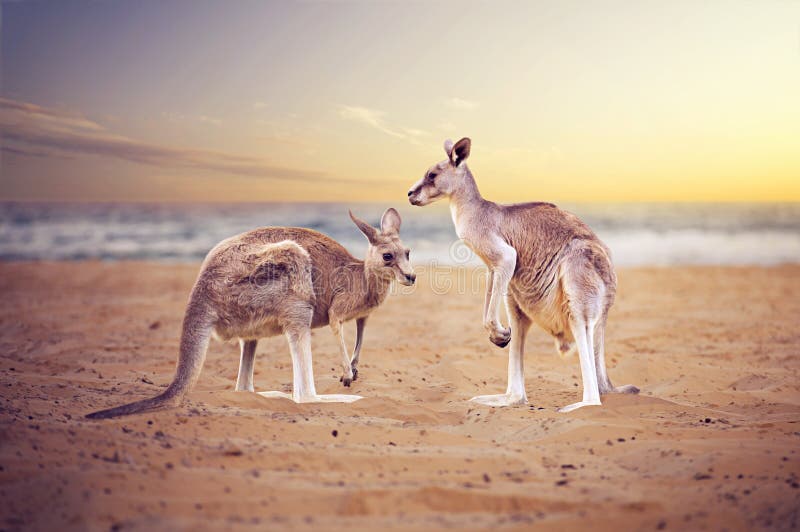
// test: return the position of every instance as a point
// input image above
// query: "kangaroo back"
(280, 266)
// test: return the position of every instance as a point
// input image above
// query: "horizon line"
(340, 202)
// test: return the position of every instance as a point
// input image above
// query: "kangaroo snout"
(414, 198)
(405, 279)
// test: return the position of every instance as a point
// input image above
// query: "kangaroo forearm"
(360, 323)
(488, 298)
(338, 331)
(495, 298)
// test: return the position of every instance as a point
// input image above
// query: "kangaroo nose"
(411, 277)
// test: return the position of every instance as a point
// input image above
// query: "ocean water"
(638, 234)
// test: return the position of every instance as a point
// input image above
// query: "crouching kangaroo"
(548, 266)
(283, 280)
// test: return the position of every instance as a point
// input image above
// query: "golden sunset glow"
(351, 101)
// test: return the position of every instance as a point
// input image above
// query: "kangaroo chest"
(459, 221)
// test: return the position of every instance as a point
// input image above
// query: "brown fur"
(548, 266)
(280, 280)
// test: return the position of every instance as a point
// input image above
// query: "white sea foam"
(638, 234)
(695, 246)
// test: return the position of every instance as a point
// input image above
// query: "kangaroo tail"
(194, 343)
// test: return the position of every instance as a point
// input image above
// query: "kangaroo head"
(386, 256)
(443, 179)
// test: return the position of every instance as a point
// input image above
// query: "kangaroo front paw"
(626, 388)
(500, 337)
(348, 377)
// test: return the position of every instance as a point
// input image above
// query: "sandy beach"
(712, 442)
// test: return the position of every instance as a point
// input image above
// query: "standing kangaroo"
(283, 280)
(547, 264)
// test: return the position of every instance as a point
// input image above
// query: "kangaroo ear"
(390, 222)
(460, 151)
(370, 232)
(448, 148)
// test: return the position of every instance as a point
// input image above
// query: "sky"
(568, 101)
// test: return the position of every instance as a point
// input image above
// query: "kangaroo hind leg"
(515, 391)
(244, 382)
(603, 380)
(303, 389)
(584, 292)
(583, 334)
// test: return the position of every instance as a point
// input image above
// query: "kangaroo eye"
(387, 257)
(431, 176)
(408, 254)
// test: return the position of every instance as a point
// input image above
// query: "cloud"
(177, 118)
(29, 153)
(460, 104)
(210, 120)
(259, 105)
(29, 129)
(369, 117)
(47, 117)
(374, 119)
(414, 132)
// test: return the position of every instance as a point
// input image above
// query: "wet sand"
(712, 442)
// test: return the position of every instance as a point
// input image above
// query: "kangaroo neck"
(463, 201)
(375, 286)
